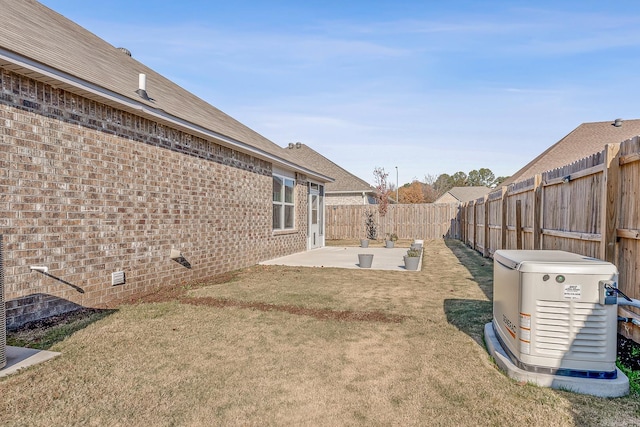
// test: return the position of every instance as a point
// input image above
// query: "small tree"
(371, 229)
(429, 191)
(480, 177)
(442, 184)
(458, 179)
(499, 180)
(382, 190)
(412, 193)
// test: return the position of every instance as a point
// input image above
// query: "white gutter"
(146, 110)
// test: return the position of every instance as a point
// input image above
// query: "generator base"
(596, 387)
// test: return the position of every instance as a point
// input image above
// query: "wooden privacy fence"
(590, 207)
(413, 221)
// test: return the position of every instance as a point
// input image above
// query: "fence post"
(466, 223)
(518, 224)
(474, 226)
(503, 237)
(463, 222)
(487, 235)
(609, 200)
(537, 212)
(458, 216)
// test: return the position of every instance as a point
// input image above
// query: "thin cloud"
(190, 39)
(489, 85)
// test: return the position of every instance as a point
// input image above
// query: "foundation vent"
(117, 278)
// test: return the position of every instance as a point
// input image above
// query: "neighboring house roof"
(465, 194)
(44, 45)
(583, 141)
(345, 181)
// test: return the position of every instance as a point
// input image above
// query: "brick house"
(463, 194)
(118, 180)
(346, 189)
(583, 141)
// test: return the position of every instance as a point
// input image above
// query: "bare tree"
(382, 190)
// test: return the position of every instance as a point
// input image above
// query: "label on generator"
(572, 292)
(525, 333)
(525, 320)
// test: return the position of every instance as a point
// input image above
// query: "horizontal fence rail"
(412, 221)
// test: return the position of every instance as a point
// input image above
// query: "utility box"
(555, 312)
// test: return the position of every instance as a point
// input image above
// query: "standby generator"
(555, 312)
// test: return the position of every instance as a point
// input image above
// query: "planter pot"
(365, 260)
(411, 262)
(417, 246)
(390, 244)
(364, 243)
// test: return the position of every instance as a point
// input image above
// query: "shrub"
(370, 225)
(413, 253)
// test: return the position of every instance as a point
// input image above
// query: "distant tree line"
(432, 187)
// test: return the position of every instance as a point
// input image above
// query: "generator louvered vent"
(3, 313)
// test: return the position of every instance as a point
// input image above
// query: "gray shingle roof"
(583, 141)
(38, 42)
(466, 194)
(344, 182)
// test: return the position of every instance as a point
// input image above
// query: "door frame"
(315, 232)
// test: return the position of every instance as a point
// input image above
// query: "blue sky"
(428, 86)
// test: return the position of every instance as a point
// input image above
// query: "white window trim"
(284, 204)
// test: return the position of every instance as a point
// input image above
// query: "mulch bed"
(629, 353)
(317, 313)
(178, 292)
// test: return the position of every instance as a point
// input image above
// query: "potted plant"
(371, 229)
(391, 240)
(365, 260)
(412, 259)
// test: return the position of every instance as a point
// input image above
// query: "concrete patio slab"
(345, 257)
(20, 358)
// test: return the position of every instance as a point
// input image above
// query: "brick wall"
(87, 190)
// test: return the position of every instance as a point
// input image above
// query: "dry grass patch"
(251, 349)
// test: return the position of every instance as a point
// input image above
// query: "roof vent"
(142, 87)
(291, 145)
(617, 123)
(124, 50)
(298, 144)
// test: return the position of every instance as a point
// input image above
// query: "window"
(283, 203)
